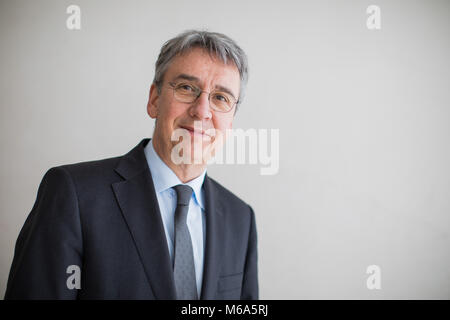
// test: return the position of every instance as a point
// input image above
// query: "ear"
(152, 105)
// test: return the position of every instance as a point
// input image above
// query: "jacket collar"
(164, 178)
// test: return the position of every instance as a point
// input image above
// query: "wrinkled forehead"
(206, 67)
(201, 54)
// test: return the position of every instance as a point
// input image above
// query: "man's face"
(198, 68)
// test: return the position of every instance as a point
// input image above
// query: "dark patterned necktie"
(183, 267)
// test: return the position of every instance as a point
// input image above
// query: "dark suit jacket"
(103, 216)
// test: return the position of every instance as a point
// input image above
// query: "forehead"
(209, 69)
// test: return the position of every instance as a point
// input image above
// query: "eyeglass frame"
(199, 93)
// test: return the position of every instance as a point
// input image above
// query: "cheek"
(223, 123)
(230, 124)
(169, 114)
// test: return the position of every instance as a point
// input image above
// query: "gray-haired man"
(146, 225)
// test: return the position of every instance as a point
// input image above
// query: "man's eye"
(221, 97)
(186, 87)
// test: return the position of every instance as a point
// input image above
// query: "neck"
(184, 172)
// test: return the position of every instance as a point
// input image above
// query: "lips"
(193, 130)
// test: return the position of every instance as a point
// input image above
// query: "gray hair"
(216, 44)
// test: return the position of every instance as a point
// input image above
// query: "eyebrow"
(184, 76)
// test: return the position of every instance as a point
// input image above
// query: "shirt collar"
(164, 178)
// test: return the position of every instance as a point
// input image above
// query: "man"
(145, 225)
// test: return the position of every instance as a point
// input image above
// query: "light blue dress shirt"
(163, 180)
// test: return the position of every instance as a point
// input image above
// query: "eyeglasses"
(188, 93)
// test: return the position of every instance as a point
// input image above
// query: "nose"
(200, 108)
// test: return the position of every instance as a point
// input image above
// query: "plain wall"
(363, 117)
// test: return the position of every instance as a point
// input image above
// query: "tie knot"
(184, 194)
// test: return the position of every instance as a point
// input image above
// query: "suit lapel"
(215, 240)
(137, 199)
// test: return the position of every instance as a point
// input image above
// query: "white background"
(363, 117)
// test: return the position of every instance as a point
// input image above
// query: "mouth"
(196, 132)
